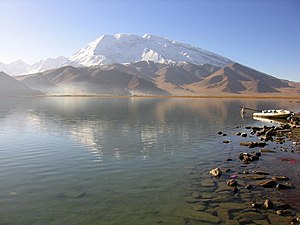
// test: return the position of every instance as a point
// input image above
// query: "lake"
(80, 160)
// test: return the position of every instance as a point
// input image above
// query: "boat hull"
(273, 114)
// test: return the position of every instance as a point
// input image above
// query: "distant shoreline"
(161, 96)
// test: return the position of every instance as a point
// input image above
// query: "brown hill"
(101, 80)
(11, 87)
(149, 78)
(236, 78)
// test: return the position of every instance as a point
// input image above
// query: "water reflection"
(120, 152)
(106, 127)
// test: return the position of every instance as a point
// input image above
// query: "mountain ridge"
(123, 48)
(156, 79)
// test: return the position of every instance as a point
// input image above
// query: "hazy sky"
(262, 34)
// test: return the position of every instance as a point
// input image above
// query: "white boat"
(273, 114)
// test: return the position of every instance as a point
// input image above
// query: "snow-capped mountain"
(125, 48)
(50, 63)
(14, 68)
(19, 67)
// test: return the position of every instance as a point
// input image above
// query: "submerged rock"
(72, 194)
(268, 184)
(278, 178)
(285, 186)
(260, 172)
(253, 144)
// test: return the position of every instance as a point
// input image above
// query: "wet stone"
(266, 151)
(199, 207)
(232, 222)
(250, 216)
(283, 206)
(253, 177)
(268, 204)
(217, 172)
(232, 205)
(278, 219)
(267, 184)
(284, 186)
(256, 205)
(280, 178)
(204, 216)
(261, 222)
(259, 172)
(223, 214)
(232, 183)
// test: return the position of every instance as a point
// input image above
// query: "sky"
(262, 34)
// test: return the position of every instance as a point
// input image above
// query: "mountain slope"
(236, 78)
(11, 87)
(125, 48)
(101, 80)
(150, 78)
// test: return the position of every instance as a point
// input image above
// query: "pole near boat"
(243, 108)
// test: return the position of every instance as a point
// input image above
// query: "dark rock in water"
(256, 205)
(248, 127)
(238, 133)
(256, 128)
(283, 206)
(244, 134)
(268, 204)
(254, 177)
(248, 186)
(229, 159)
(259, 172)
(284, 186)
(217, 172)
(235, 190)
(226, 141)
(226, 170)
(232, 183)
(253, 144)
(278, 178)
(246, 157)
(254, 158)
(266, 151)
(220, 133)
(268, 184)
(224, 135)
(258, 154)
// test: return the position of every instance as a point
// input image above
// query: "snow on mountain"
(50, 63)
(125, 48)
(14, 68)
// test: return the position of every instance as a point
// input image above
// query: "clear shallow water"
(109, 160)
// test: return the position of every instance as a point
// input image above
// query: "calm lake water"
(110, 160)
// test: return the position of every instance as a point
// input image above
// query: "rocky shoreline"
(259, 184)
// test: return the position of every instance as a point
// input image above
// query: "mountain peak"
(127, 48)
